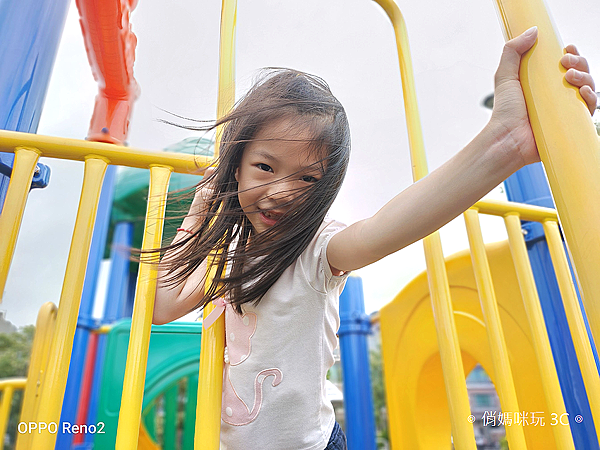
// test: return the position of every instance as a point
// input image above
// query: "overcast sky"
(455, 49)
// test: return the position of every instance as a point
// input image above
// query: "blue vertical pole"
(85, 322)
(116, 297)
(30, 31)
(529, 185)
(358, 396)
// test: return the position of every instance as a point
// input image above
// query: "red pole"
(86, 386)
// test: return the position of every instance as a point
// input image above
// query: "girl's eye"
(309, 179)
(264, 167)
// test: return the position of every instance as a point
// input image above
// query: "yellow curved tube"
(454, 377)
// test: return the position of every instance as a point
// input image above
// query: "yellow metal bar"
(79, 150)
(143, 308)
(226, 94)
(44, 329)
(499, 353)
(14, 205)
(454, 377)
(567, 141)
(210, 382)
(452, 366)
(210, 376)
(526, 212)
(539, 335)
(7, 393)
(413, 121)
(55, 379)
(575, 318)
(7, 387)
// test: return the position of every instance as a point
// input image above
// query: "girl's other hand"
(202, 195)
(509, 117)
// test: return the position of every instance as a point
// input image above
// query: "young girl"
(283, 264)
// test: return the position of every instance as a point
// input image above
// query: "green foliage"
(379, 403)
(15, 349)
(14, 352)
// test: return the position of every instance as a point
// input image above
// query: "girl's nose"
(283, 190)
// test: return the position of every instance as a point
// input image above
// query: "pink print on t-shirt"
(239, 331)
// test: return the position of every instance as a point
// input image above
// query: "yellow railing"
(8, 387)
(96, 157)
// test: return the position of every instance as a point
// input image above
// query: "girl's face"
(277, 165)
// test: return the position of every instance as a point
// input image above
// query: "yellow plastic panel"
(504, 381)
(539, 335)
(55, 379)
(417, 407)
(581, 342)
(14, 205)
(143, 309)
(567, 141)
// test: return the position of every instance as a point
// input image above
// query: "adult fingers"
(572, 49)
(589, 97)
(579, 79)
(570, 61)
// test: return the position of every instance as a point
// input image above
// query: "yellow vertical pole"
(55, 379)
(14, 205)
(567, 141)
(539, 335)
(575, 319)
(143, 309)
(503, 376)
(5, 403)
(44, 329)
(210, 377)
(454, 377)
(7, 388)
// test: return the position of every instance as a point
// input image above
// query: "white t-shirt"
(277, 357)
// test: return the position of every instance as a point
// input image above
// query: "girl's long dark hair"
(256, 261)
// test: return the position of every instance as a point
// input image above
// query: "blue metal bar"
(355, 325)
(114, 309)
(529, 185)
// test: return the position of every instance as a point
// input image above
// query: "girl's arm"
(505, 145)
(174, 301)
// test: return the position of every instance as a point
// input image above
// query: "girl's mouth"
(270, 218)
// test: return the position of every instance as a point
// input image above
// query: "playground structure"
(502, 328)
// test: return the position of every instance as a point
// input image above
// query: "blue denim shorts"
(337, 441)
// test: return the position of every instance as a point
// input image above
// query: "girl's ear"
(237, 169)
